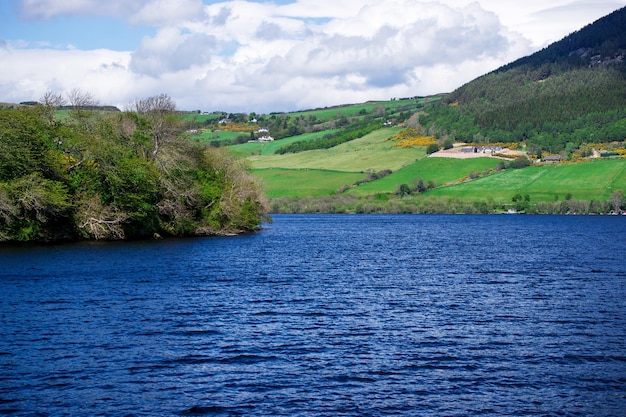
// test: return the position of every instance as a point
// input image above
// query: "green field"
(268, 148)
(391, 106)
(208, 135)
(371, 152)
(324, 172)
(306, 174)
(439, 170)
(594, 180)
(201, 118)
(279, 183)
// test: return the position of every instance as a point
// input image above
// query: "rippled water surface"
(324, 316)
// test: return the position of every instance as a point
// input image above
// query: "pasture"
(201, 118)
(268, 148)
(278, 183)
(390, 106)
(439, 170)
(371, 152)
(210, 135)
(592, 180)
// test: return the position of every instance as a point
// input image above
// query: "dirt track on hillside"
(457, 153)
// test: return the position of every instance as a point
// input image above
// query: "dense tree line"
(569, 94)
(605, 38)
(351, 132)
(510, 100)
(577, 107)
(401, 203)
(116, 175)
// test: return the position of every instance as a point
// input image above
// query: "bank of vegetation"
(386, 204)
(116, 175)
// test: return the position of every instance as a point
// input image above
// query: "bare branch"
(159, 111)
(83, 104)
(7, 209)
(81, 100)
(51, 102)
(98, 221)
(52, 99)
(161, 103)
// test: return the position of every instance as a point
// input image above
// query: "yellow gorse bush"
(411, 137)
(509, 145)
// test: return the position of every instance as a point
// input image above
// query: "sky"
(270, 55)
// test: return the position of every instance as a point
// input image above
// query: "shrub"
(432, 148)
(520, 162)
(411, 137)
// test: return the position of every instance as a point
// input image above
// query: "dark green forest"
(117, 175)
(567, 95)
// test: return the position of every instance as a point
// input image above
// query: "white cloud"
(171, 51)
(160, 12)
(379, 48)
(249, 56)
(32, 72)
(544, 22)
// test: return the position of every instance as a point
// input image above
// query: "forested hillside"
(116, 175)
(567, 95)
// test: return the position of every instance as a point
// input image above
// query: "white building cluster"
(265, 135)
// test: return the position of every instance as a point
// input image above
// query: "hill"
(557, 100)
(567, 101)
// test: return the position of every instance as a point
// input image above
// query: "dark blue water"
(324, 316)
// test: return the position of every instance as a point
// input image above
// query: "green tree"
(420, 186)
(116, 176)
(520, 162)
(432, 148)
(24, 143)
(402, 190)
(521, 203)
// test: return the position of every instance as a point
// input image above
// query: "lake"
(324, 315)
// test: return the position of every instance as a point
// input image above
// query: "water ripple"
(324, 315)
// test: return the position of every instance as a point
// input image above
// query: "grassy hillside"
(390, 107)
(567, 100)
(371, 152)
(269, 148)
(595, 180)
(337, 171)
(438, 170)
(280, 183)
